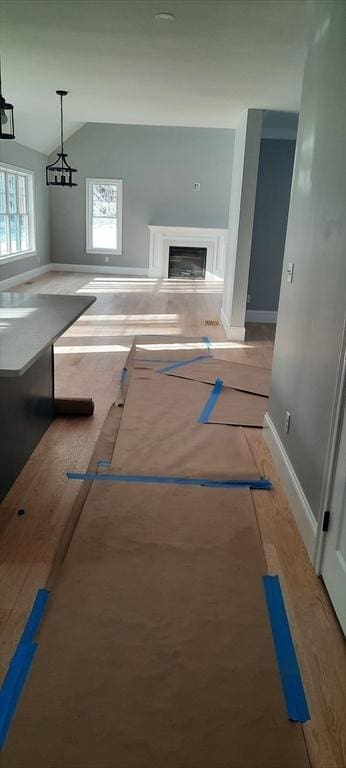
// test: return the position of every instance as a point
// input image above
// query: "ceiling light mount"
(59, 174)
(6, 116)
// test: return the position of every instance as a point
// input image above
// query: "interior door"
(334, 556)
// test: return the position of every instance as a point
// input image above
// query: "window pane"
(14, 233)
(104, 199)
(2, 193)
(104, 233)
(3, 235)
(11, 189)
(24, 233)
(21, 194)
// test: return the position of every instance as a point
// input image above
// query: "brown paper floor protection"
(238, 408)
(160, 433)
(156, 650)
(248, 378)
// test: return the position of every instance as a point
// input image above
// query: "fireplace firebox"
(186, 261)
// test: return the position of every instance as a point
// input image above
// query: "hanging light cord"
(61, 125)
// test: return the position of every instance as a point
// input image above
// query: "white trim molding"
(51, 267)
(260, 316)
(24, 276)
(306, 522)
(215, 240)
(102, 269)
(233, 332)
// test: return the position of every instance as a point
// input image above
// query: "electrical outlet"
(197, 186)
(248, 298)
(287, 421)
(106, 259)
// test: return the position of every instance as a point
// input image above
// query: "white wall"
(240, 224)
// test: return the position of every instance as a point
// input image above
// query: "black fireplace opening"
(186, 261)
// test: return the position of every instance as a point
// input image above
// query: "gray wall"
(270, 222)
(312, 309)
(16, 154)
(158, 166)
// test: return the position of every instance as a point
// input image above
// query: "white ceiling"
(121, 65)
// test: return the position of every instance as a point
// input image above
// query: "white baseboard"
(24, 276)
(298, 502)
(260, 316)
(102, 269)
(233, 332)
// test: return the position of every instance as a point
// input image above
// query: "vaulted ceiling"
(122, 65)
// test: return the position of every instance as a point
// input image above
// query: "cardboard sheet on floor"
(160, 434)
(156, 650)
(238, 408)
(248, 378)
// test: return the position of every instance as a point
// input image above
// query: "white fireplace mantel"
(161, 238)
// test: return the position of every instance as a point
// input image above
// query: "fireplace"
(186, 261)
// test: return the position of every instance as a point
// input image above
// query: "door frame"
(332, 451)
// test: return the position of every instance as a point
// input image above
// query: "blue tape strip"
(104, 463)
(13, 686)
(20, 664)
(262, 484)
(207, 341)
(211, 402)
(296, 704)
(35, 617)
(181, 363)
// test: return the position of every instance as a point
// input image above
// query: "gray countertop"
(31, 322)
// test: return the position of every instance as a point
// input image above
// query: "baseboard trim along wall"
(102, 269)
(56, 267)
(299, 504)
(233, 332)
(24, 276)
(260, 316)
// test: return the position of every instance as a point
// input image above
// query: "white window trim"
(18, 255)
(110, 251)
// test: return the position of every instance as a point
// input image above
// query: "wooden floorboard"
(88, 361)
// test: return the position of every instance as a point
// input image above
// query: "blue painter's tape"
(211, 402)
(13, 686)
(181, 363)
(296, 704)
(35, 616)
(262, 484)
(207, 341)
(104, 463)
(20, 664)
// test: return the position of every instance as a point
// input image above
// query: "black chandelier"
(59, 174)
(6, 116)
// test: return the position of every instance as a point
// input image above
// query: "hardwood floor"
(88, 361)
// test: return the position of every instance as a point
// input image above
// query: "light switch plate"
(290, 270)
(197, 186)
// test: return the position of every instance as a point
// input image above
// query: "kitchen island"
(29, 325)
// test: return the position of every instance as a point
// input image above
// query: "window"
(104, 216)
(17, 225)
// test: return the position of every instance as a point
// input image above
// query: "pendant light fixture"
(6, 116)
(59, 174)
